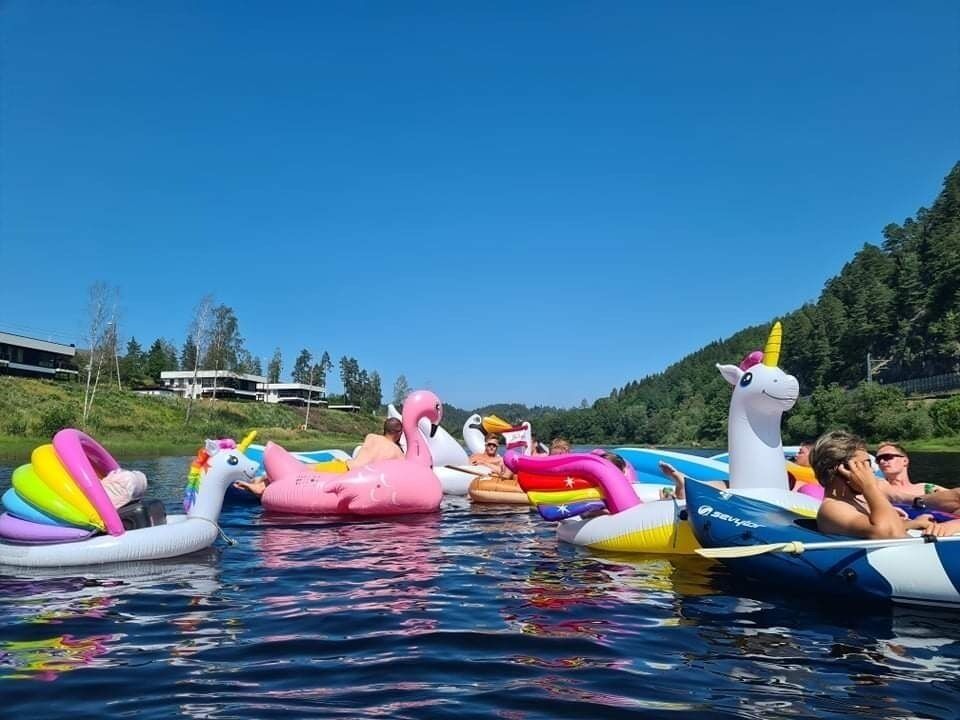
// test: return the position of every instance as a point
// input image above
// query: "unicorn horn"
(771, 352)
(248, 438)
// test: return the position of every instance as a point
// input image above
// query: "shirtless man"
(489, 458)
(374, 448)
(380, 447)
(855, 502)
(894, 464)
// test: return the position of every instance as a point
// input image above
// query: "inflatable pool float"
(450, 462)
(765, 542)
(321, 460)
(387, 487)
(474, 434)
(497, 489)
(58, 511)
(646, 462)
(597, 507)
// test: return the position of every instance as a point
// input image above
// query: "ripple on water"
(473, 612)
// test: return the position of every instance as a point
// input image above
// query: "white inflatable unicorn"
(762, 392)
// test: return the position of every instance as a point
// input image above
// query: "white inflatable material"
(455, 482)
(473, 434)
(658, 526)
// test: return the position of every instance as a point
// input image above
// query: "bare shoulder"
(841, 518)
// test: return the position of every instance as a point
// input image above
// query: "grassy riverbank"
(944, 445)
(132, 425)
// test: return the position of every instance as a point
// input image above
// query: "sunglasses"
(493, 444)
(887, 457)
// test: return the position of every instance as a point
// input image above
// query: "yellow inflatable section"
(494, 424)
(802, 474)
(46, 464)
(330, 466)
(31, 488)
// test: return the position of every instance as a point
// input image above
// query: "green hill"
(31, 411)
(898, 302)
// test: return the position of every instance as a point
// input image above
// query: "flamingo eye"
(437, 407)
(746, 379)
(233, 460)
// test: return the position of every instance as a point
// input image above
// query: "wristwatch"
(919, 504)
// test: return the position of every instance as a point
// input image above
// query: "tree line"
(213, 342)
(897, 303)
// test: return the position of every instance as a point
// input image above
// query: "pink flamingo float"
(386, 487)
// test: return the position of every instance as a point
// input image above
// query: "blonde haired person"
(855, 501)
(559, 446)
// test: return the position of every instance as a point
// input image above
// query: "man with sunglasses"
(894, 464)
(489, 458)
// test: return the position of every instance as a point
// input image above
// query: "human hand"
(256, 486)
(921, 522)
(669, 470)
(857, 474)
(943, 529)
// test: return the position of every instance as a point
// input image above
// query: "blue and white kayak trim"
(916, 573)
(646, 462)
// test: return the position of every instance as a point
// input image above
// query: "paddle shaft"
(796, 547)
(468, 472)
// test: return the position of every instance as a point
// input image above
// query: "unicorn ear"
(731, 373)
(212, 447)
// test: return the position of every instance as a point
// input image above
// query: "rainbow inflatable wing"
(565, 486)
(58, 496)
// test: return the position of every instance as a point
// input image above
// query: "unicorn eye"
(233, 460)
(746, 379)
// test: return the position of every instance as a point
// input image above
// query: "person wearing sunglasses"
(855, 500)
(894, 463)
(489, 458)
(858, 503)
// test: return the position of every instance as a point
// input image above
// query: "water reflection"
(800, 646)
(365, 566)
(153, 597)
(48, 658)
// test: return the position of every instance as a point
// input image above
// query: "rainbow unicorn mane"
(199, 466)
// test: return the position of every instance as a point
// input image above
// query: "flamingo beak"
(433, 429)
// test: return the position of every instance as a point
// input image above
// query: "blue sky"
(531, 202)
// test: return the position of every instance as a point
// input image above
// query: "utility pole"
(874, 366)
(306, 422)
(116, 359)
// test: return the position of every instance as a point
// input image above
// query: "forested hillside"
(899, 302)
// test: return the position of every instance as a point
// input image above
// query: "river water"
(472, 612)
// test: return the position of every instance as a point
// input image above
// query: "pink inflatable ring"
(87, 461)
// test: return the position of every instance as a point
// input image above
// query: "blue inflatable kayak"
(910, 570)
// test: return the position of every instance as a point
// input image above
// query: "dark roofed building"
(30, 357)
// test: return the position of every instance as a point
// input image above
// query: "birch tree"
(102, 304)
(198, 335)
(225, 342)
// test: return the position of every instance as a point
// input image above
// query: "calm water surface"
(473, 612)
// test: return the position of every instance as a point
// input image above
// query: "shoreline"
(16, 450)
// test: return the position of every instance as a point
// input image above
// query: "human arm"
(881, 519)
(921, 522)
(255, 486)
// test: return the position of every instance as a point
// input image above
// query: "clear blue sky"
(529, 201)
